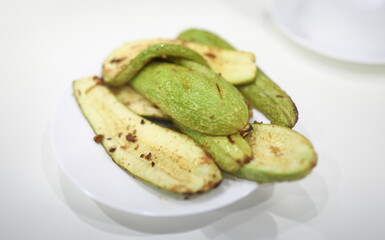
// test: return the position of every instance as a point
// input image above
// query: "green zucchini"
(271, 100)
(280, 154)
(157, 155)
(123, 63)
(207, 104)
(205, 37)
(230, 152)
(265, 95)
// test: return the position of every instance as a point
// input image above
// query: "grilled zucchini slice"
(265, 95)
(280, 154)
(229, 152)
(201, 102)
(122, 64)
(157, 155)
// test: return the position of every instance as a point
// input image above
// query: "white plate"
(347, 30)
(89, 167)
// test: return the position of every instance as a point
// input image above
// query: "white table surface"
(44, 45)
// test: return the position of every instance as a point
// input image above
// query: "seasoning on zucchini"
(280, 154)
(207, 104)
(265, 95)
(124, 62)
(157, 155)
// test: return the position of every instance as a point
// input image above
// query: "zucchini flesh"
(137, 103)
(157, 155)
(123, 63)
(280, 154)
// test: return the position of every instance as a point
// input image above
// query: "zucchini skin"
(280, 154)
(265, 95)
(230, 152)
(164, 158)
(160, 50)
(207, 104)
(206, 38)
(271, 100)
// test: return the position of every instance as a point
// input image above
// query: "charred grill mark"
(248, 159)
(210, 55)
(90, 88)
(231, 140)
(130, 137)
(99, 82)
(279, 96)
(148, 156)
(245, 132)
(207, 158)
(219, 90)
(112, 149)
(207, 154)
(117, 60)
(99, 138)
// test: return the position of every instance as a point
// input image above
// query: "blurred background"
(45, 45)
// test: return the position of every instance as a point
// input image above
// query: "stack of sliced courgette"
(204, 87)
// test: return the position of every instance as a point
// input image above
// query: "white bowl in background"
(349, 30)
